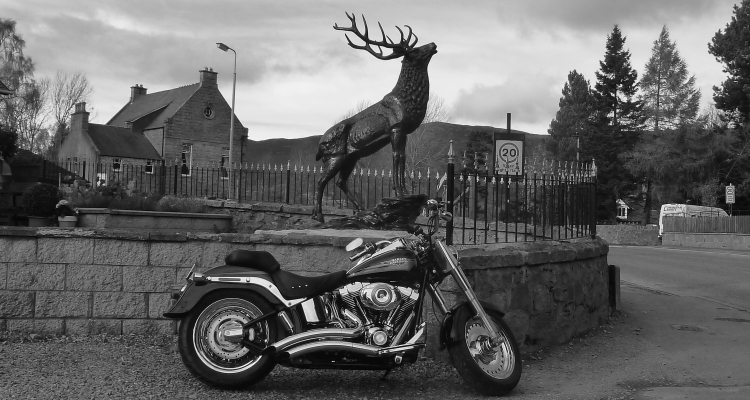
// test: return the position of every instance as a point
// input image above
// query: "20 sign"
(508, 157)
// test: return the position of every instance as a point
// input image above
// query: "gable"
(156, 106)
(120, 142)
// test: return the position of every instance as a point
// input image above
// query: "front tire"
(489, 370)
(219, 361)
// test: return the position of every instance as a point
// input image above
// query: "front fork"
(458, 275)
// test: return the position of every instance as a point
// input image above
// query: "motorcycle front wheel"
(219, 360)
(487, 369)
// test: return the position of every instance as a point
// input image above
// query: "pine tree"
(617, 125)
(574, 119)
(669, 96)
(730, 48)
(616, 85)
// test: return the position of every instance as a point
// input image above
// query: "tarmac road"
(697, 312)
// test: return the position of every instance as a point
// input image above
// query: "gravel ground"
(609, 363)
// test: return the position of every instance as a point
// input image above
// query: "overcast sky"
(296, 75)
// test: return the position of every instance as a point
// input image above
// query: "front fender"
(450, 332)
(194, 293)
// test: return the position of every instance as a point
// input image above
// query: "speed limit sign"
(509, 157)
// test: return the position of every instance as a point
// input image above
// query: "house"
(186, 126)
(103, 153)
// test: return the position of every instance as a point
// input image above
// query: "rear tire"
(488, 370)
(213, 359)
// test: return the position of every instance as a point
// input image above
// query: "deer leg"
(398, 145)
(346, 170)
(330, 168)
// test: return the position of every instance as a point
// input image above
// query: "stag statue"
(398, 114)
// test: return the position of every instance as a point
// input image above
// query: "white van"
(687, 210)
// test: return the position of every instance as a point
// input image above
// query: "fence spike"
(411, 175)
(419, 175)
(368, 171)
(382, 174)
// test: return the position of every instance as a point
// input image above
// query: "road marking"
(706, 250)
(657, 291)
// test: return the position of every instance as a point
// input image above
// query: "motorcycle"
(239, 320)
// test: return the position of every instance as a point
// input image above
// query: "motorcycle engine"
(379, 307)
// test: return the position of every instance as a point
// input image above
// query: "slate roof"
(4, 89)
(158, 106)
(120, 142)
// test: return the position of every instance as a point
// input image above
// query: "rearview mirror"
(354, 244)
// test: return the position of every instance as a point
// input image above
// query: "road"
(722, 276)
(694, 306)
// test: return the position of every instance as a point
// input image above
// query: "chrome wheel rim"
(498, 361)
(211, 345)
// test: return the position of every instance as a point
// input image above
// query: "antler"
(399, 49)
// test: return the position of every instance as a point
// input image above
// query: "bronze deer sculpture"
(398, 114)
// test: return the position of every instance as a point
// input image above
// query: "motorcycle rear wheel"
(489, 370)
(213, 359)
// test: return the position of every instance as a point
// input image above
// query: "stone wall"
(88, 281)
(630, 235)
(732, 241)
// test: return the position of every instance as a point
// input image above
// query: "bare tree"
(66, 90)
(421, 149)
(31, 116)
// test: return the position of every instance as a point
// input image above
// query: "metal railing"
(549, 202)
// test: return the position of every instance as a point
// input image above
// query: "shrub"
(181, 204)
(40, 200)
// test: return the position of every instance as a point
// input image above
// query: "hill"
(432, 137)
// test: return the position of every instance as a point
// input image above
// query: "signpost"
(729, 196)
(509, 152)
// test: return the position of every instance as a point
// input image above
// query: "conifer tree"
(574, 119)
(730, 47)
(669, 96)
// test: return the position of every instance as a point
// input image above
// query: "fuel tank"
(394, 263)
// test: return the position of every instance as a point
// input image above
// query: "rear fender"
(449, 329)
(194, 293)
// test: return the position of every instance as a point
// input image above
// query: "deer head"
(404, 48)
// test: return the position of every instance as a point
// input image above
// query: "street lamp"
(224, 48)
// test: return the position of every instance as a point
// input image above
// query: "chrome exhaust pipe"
(316, 334)
(336, 345)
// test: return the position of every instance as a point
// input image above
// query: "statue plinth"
(392, 213)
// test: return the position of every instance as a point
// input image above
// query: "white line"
(706, 250)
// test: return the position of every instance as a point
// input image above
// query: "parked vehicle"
(687, 210)
(241, 319)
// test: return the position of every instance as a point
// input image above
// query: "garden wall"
(629, 235)
(732, 241)
(89, 281)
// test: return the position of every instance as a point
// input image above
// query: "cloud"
(531, 102)
(585, 16)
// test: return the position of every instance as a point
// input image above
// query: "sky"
(296, 75)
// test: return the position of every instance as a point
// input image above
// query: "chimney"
(137, 91)
(79, 120)
(208, 78)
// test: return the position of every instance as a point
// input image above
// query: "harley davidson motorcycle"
(241, 319)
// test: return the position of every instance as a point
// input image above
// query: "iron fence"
(549, 202)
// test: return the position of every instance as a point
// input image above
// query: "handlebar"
(368, 248)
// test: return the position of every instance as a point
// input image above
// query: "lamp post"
(224, 48)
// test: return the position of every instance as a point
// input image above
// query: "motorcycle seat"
(293, 286)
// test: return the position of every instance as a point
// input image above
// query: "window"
(149, 167)
(224, 164)
(208, 112)
(116, 164)
(75, 159)
(187, 159)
